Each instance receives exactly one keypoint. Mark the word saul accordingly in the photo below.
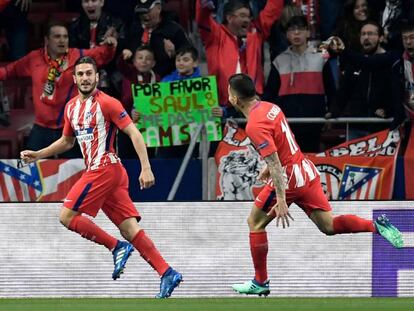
(170, 112)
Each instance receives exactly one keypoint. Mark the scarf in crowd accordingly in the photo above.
(146, 36)
(92, 31)
(147, 77)
(56, 67)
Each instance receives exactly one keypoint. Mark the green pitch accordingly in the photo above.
(209, 304)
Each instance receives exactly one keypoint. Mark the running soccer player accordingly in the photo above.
(92, 117)
(291, 178)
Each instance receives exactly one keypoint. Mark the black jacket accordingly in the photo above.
(380, 82)
(168, 29)
(79, 31)
(363, 90)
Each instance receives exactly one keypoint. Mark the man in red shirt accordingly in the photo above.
(92, 117)
(236, 45)
(51, 70)
(291, 178)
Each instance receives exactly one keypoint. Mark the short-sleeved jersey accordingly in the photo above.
(94, 122)
(269, 132)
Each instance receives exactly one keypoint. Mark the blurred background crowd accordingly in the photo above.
(366, 71)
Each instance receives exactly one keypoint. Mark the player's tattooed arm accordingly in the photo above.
(276, 173)
(280, 210)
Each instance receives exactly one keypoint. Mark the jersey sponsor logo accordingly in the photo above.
(122, 115)
(272, 114)
(84, 135)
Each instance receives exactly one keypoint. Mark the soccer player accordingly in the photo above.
(91, 117)
(291, 178)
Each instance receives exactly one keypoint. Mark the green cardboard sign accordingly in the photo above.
(170, 112)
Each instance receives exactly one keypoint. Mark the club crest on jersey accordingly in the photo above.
(88, 116)
(84, 135)
(122, 115)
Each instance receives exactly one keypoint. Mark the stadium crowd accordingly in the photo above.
(328, 59)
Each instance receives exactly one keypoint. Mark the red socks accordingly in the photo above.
(352, 224)
(259, 249)
(88, 230)
(149, 252)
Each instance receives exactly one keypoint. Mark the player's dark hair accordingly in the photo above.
(188, 49)
(86, 60)
(243, 85)
(54, 23)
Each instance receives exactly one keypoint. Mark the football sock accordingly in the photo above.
(90, 231)
(259, 249)
(149, 252)
(352, 224)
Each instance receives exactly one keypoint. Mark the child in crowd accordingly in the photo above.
(140, 70)
(186, 62)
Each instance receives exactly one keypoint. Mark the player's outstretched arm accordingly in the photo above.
(146, 178)
(64, 143)
(280, 209)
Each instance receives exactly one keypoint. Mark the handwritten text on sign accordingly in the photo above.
(170, 112)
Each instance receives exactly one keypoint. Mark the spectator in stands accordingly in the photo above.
(51, 70)
(236, 45)
(186, 62)
(151, 26)
(278, 41)
(329, 11)
(365, 92)
(391, 17)
(355, 13)
(299, 82)
(13, 18)
(403, 77)
(408, 57)
(139, 71)
(92, 28)
(255, 5)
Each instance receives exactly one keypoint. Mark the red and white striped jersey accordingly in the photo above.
(269, 131)
(94, 122)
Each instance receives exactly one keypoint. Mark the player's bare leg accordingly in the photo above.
(341, 224)
(170, 278)
(82, 225)
(257, 221)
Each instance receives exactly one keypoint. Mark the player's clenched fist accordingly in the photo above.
(146, 179)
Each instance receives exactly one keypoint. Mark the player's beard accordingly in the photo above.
(87, 91)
